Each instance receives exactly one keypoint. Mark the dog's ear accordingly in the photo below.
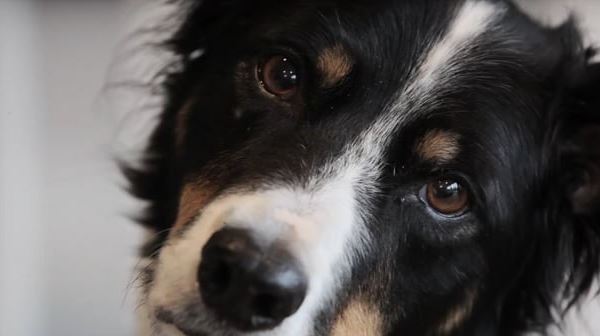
(579, 171)
(155, 179)
(205, 22)
(581, 149)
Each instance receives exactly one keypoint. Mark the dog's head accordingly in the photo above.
(371, 168)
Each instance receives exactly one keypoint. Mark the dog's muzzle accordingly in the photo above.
(262, 263)
(249, 285)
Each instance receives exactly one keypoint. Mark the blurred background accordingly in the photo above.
(67, 245)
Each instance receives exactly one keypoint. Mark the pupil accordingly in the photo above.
(447, 189)
(285, 76)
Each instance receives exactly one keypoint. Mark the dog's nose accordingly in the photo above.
(249, 286)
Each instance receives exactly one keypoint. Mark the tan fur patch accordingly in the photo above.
(193, 198)
(358, 319)
(334, 64)
(438, 145)
(458, 314)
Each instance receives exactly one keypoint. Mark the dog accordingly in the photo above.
(381, 167)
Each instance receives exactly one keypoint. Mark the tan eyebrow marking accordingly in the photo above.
(359, 318)
(439, 145)
(194, 196)
(460, 313)
(335, 64)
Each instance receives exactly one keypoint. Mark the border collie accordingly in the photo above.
(371, 167)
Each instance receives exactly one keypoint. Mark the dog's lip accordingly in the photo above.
(164, 316)
(188, 332)
(167, 317)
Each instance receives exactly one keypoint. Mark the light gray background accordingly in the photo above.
(67, 249)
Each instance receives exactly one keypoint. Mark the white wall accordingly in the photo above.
(67, 249)
(90, 245)
(21, 166)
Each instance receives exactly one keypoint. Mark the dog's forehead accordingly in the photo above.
(405, 60)
(391, 47)
(440, 61)
(380, 32)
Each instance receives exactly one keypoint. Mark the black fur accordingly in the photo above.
(527, 109)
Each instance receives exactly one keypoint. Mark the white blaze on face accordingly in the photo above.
(439, 67)
(322, 225)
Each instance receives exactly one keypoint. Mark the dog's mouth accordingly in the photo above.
(194, 323)
(186, 326)
(190, 332)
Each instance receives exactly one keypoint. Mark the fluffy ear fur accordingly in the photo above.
(210, 17)
(583, 134)
(156, 179)
(564, 259)
(580, 170)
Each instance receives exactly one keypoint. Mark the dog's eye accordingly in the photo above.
(279, 76)
(447, 195)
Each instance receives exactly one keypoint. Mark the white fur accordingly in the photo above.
(472, 20)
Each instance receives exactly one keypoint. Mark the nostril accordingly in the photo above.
(218, 276)
(265, 304)
(224, 259)
(250, 287)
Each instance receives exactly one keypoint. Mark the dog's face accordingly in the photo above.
(361, 168)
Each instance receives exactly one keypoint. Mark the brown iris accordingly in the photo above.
(279, 76)
(447, 196)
